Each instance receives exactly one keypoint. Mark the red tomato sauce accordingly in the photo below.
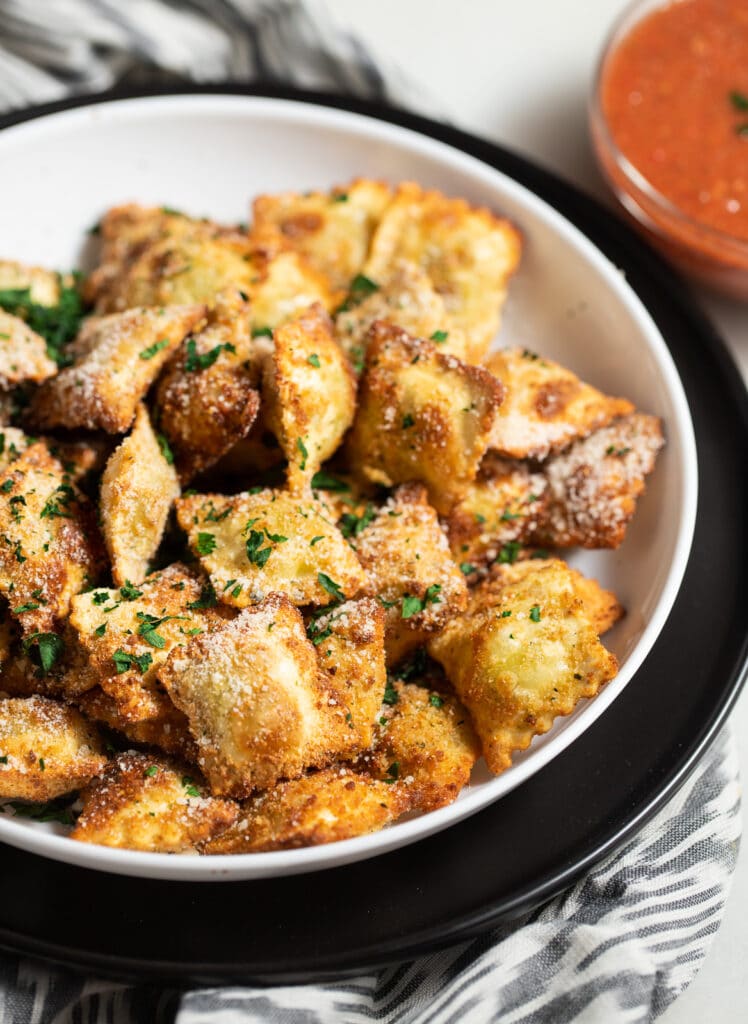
(675, 97)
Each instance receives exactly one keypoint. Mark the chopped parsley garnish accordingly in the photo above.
(391, 695)
(509, 552)
(507, 516)
(341, 197)
(359, 289)
(150, 771)
(313, 360)
(393, 772)
(100, 597)
(408, 421)
(205, 543)
(316, 540)
(216, 517)
(256, 553)
(413, 605)
(467, 568)
(129, 592)
(318, 633)
(325, 482)
(384, 603)
(154, 349)
(535, 613)
(42, 765)
(56, 506)
(505, 614)
(262, 332)
(7, 485)
(304, 453)
(201, 361)
(59, 810)
(189, 786)
(435, 700)
(352, 525)
(148, 626)
(57, 324)
(440, 337)
(100, 630)
(165, 449)
(124, 661)
(739, 100)
(540, 553)
(44, 649)
(30, 607)
(330, 586)
(207, 598)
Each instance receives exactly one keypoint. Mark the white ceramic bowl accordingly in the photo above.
(209, 155)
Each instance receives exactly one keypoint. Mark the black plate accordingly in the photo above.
(533, 842)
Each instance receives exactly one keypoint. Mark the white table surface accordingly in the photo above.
(519, 71)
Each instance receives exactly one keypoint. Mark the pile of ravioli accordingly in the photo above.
(280, 539)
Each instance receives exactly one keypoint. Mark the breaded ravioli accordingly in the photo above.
(128, 632)
(49, 545)
(468, 253)
(145, 802)
(258, 703)
(166, 727)
(593, 488)
(309, 394)
(546, 406)
(421, 416)
(253, 545)
(411, 572)
(331, 230)
(23, 353)
(497, 515)
(115, 360)
(523, 653)
(405, 298)
(425, 742)
(46, 749)
(206, 398)
(138, 488)
(323, 807)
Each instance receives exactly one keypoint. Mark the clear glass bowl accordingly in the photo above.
(713, 257)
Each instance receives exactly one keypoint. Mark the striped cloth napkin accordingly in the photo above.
(623, 942)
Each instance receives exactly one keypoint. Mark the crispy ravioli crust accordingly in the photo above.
(46, 749)
(144, 802)
(524, 652)
(421, 416)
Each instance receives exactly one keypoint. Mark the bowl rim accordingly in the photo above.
(262, 865)
(631, 15)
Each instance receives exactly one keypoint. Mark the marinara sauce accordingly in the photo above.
(673, 94)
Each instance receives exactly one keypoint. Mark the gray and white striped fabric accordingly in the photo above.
(627, 939)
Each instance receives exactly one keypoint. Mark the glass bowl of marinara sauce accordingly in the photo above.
(669, 120)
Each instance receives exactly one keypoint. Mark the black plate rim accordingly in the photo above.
(471, 924)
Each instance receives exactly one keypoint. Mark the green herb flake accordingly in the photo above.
(150, 771)
(100, 630)
(100, 597)
(166, 451)
(189, 786)
(440, 337)
(154, 349)
(435, 700)
(330, 586)
(44, 649)
(322, 481)
(262, 332)
(123, 661)
(205, 543)
(359, 289)
(352, 525)
(201, 361)
(313, 360)
(393, 773)
(30, 607)
(391, 696)
(408, 421)
(304, 453)
(509, 552)
(739, 100)
(467, 568)
(535, 613)
(316, 540)
(56, 324)
(129, 592)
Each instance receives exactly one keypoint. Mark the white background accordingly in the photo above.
(519, 72)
